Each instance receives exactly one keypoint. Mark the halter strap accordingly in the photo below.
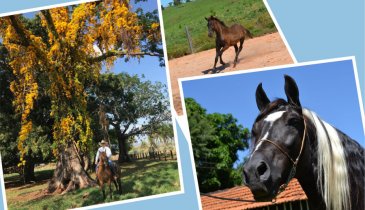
(295, 163)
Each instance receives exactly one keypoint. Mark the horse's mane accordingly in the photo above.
(219, 21)
(333, 181)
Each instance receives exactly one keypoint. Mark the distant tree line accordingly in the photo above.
(176, 3)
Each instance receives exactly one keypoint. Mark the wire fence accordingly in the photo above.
(156, 155)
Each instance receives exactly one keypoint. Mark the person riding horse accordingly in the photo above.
(104, 147)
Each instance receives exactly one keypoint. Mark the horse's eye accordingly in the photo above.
(293, 122)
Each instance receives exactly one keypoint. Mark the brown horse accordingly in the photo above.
(104, 175)
(226, 37)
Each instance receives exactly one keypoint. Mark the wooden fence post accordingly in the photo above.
(172, 155)
(189, 40)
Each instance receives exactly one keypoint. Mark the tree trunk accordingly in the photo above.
(123, 153)
(122, 144)
(86, 162)
(69, 173)
(29, 171)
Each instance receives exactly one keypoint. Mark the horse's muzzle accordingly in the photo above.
(257, 176)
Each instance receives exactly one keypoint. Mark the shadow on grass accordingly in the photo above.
(16, 181)
(94, 197)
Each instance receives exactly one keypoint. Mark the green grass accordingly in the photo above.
(140, 178)
(252, 14)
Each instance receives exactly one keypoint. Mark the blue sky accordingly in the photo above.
(329, 89)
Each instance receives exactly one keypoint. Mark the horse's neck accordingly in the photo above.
(103, 165)
(307, 173)
(219, 30)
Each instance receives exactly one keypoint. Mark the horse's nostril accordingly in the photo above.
(261, 169)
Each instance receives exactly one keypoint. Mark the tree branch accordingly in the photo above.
(117, 53)
(50, 23)
(126, 128)
(20, 31)
(24, 39)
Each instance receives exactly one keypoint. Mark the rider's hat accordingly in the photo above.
(103, 142)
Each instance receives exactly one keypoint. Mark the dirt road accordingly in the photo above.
(268, 50)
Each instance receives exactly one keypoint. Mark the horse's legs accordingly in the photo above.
(102, 189)
(221, 53)
(217, 49)
(116, 184)
(235, 59)
(110, 188)
(239, 50)
(120, 185)
(241, 44)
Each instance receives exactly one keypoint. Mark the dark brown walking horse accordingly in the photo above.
(226, 37)
(104, 175)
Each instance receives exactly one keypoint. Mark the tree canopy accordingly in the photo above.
(215, 138)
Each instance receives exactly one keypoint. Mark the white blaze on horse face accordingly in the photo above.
(274, 116)
(260, 142)
(270, 118)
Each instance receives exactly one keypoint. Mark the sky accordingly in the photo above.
(328, 89)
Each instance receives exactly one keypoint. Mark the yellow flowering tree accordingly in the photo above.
(77, 42)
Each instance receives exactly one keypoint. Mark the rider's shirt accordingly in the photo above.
(103, 149)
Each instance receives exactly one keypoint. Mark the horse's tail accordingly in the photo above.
(248, 33)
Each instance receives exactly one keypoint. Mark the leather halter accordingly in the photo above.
(295, 163)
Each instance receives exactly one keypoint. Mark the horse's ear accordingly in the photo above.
(261, 98)
(291, 91)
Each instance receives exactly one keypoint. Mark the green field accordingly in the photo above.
(252, 14)
(140, 178)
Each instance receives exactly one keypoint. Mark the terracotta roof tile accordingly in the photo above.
(240, 197)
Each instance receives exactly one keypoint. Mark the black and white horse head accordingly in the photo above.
(290, 141)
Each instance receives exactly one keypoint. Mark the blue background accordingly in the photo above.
(314, 30)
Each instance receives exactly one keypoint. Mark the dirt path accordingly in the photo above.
(268, 50)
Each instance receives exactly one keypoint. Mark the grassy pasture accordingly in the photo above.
(139, 178)
(252, 14)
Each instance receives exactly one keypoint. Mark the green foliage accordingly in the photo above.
(9, 123)
(177, 2)
(252, 14)
(37, 146)
(130, 101)
(216, 138)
